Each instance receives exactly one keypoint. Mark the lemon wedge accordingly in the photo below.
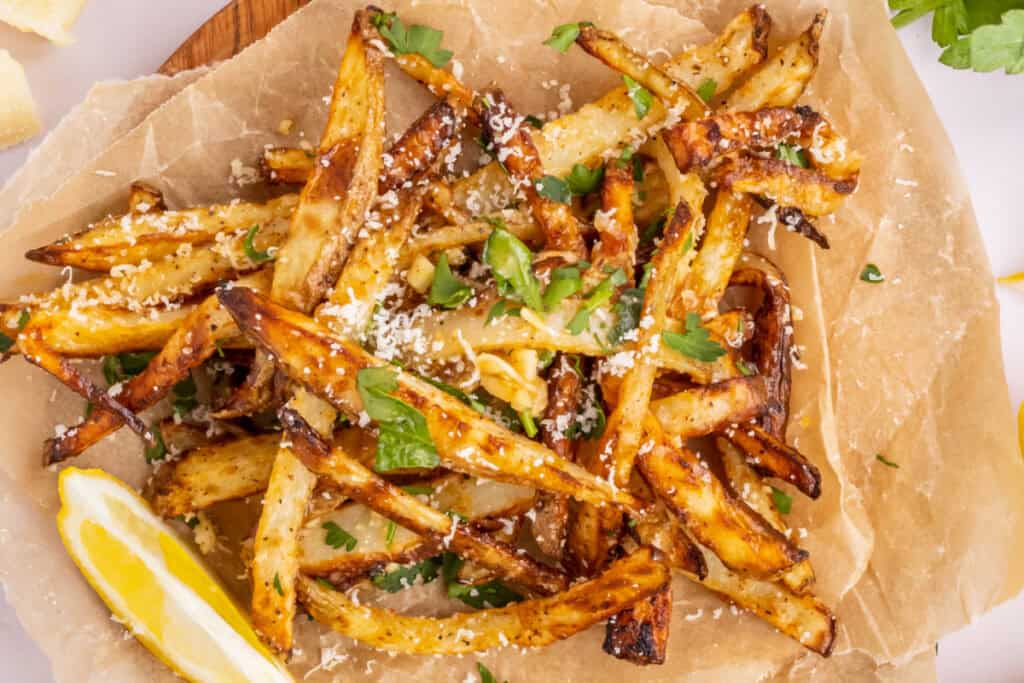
(156, 585)
(1016, 280)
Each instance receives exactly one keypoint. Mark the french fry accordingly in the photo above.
(533, 623)
(194, 342)
(704, 410)
(380, 542)
(213, 474)
(811, 191)
(464, 440)
(407, 510)
(616, 231)
(286, 165)
(771, 457)
(639, 634)
(743, 541)
(143, 198)
(132, 239)
(463, 235)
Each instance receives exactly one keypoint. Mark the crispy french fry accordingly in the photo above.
(380, 542)
(213, 474)
(462, 235)
(464, 440)
(801, 617)
(287, 165)
(746, 483)
(723, 244)
(771, 457)
(811, 191)
(407, 510)
(527, 624)
(132, 239)
(616, 231)
(143, 198)
(704, 410)
(639, 634)
(742, 540)
(509, 133)
(194, 342)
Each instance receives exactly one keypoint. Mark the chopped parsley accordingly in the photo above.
(564, 283)
(6, 343)
(782, 500)
(641, 96)
(885, 461)
(695, 342)
(791, 154)
(470, 400)
(404, 440)
(599, 296)
(277, 585)
(390, 535)
(872, 274)
(184, 392)
(447, 291)
(158, 451)
(590, 420)
(418, 489)
(502, 308)
(405, 576)
(336, 537)
(124, 365)
(555, 189)
(627, 312)
(415, 39)
(583, 179)
(534, 121)
(485, 674)
(563, 36)
(706, 89)
(511, 261)
(250, 250)
(745, 368)
(529, 426)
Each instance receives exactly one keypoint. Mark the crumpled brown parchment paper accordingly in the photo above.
(910, 368)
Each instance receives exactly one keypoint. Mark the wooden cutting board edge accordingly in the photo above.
(236, 26)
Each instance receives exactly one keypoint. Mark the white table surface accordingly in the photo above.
(984, 115)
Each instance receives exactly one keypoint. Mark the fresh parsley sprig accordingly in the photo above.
(415, 39)
(447, 291)
(599, 296)
(641, 96)
(695, 342)
(404, 440)
(511, 261)
(983, 35)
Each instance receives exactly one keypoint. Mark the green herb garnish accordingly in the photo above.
(406, 576)
(706, 89)
(529, 426)
(695, 342)
(250, 250)
(555, 189)
(404, 440)
(415, 39)
(565, 35)
(511, 261)
(983, 35)
(158, 451)
(564, 283)
(885, 461)
(627, 312)
(277, 585)
(783, 501)
(641, 96)
(583, 179)
(336, 537)
(599, 296)
(872, 274)
(792, 155)
(447, 291)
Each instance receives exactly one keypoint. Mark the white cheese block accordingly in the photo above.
(18, 120)
(51, 19)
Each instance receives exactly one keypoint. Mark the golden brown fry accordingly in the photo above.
(462, 235)
(747, 484)
(741, 539)
(441, 83)
(286, 165)
(659, 529)
(613, 51)
(698, 143)
(380, 542)
(465, 441)
(533, 623)
(704, 410)
(212, 474)
(639, 634)
(616, 231)
(811, 191)
(773, 342)
(132, 239)
(723, 244)
(801, 617)
(36, 352)
(194, 342)
(783, 78)
(509, 133)
(336, 197)
(771, 457)
(407, 510)
(143, 198)
(552, 510)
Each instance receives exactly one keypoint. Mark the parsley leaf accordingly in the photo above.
(418, 489)
(565, 35)
(158, 451)
(184, 396)
(583, 179)
(599, 296)
(406, 576)
(485, 674)
(404, 440)
(590, 420)
(529, 426)
(415, 39)
(392, 528)
(641, 96)
(500, 309)
(706, 89)
(745, 368)
(627, 314)
(783, 501)
(653, 231)
(336, 537)
(885, 461)
(534, 121)
(991, 47)
(792, 155)
(564, 283)
(277, 584)
(872, 274)
(695, 342)
(483, 595)
(250, 250)
(555, 189)
(469, 400)
(7, 342)
(447, 291)
(511, 261)
(983, 35)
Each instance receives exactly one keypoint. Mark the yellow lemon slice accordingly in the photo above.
(156, 585)
(1016, 280)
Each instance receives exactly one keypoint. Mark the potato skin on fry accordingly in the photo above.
(532, 623)
(640, 633)
(772, 457)
(811, 191)
(704, 410)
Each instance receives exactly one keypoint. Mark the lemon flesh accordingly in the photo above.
(156, 585)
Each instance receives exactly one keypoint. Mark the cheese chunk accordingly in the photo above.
(18, 120)
(51, 19)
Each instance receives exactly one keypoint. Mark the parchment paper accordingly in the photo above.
(910, 368)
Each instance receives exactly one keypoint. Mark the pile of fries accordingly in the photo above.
(550, 383)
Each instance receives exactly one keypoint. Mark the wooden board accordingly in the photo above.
(239, 24)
